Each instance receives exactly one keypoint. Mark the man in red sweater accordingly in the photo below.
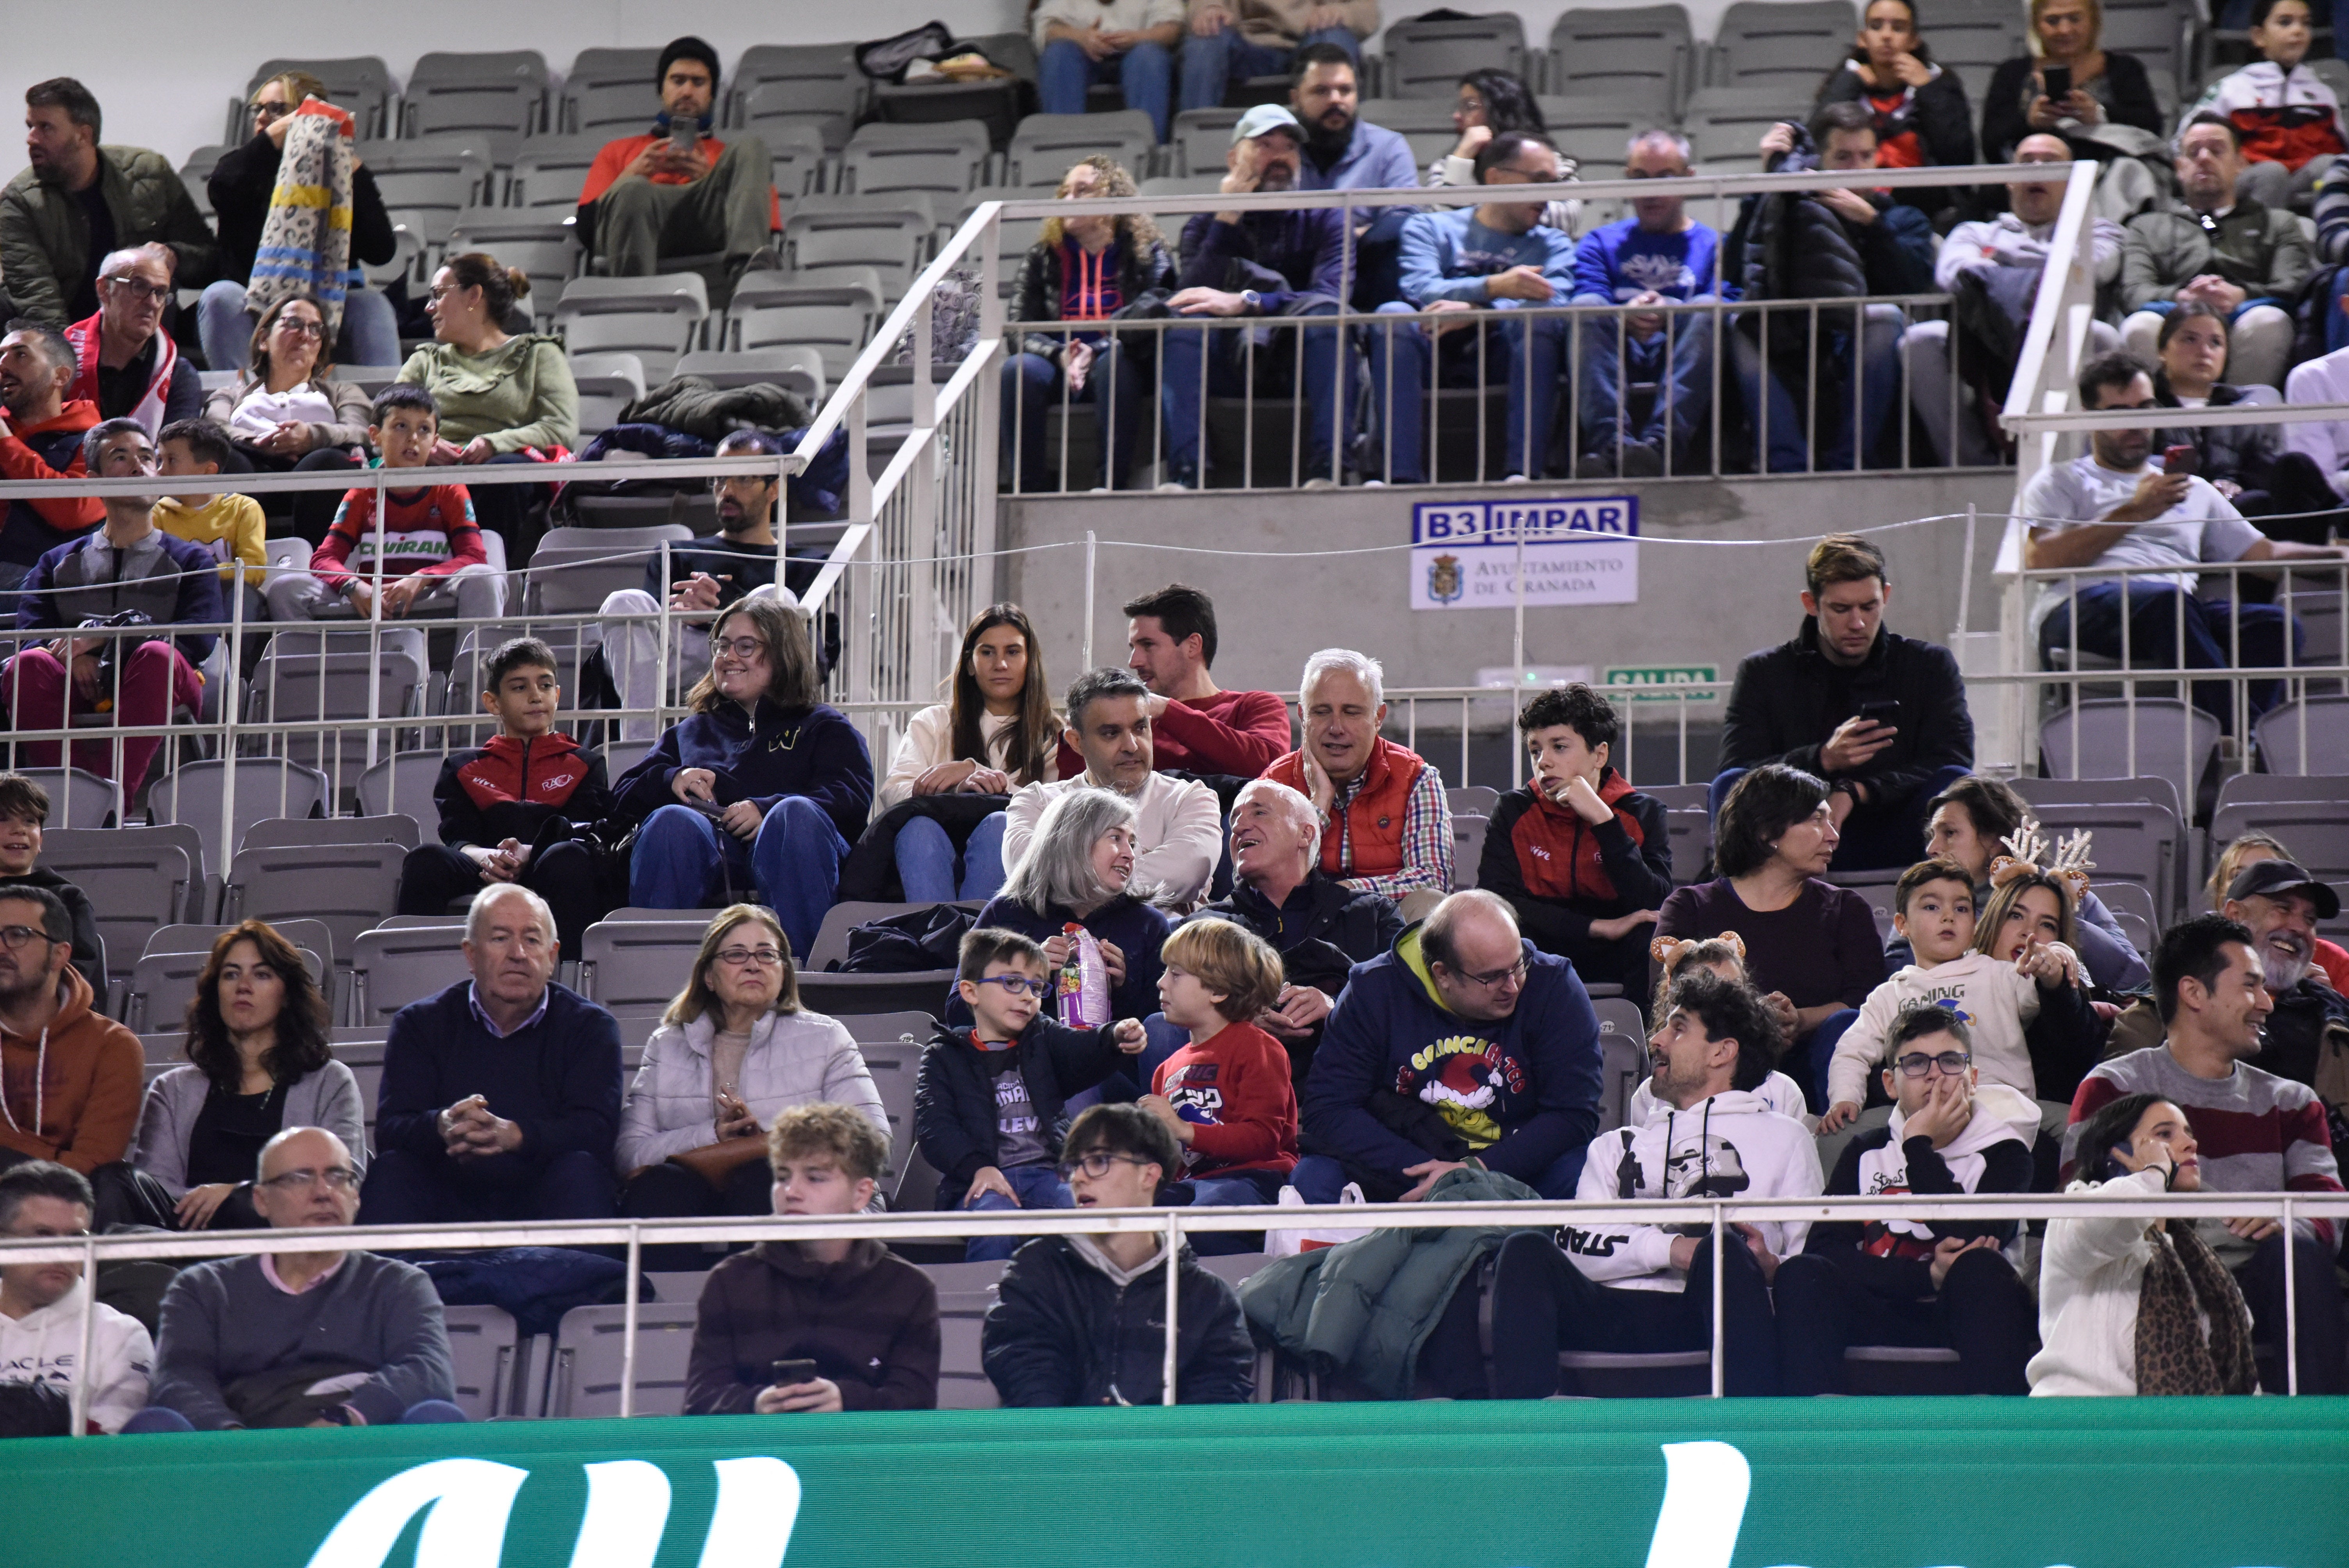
(40, 438)
(1195, 725)
(1226, 1095)
(675, 190)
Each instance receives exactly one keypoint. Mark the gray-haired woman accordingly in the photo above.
(1079, 872)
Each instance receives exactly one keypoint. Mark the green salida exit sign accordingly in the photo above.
(1663, 675)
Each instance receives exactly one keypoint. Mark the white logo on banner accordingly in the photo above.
(627, 1514)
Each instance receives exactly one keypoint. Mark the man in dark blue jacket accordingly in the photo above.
(1464, 1041)
(501, 1095)
(1258, 264)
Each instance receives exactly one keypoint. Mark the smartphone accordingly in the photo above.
(1884, 710)
(790, 1372)
(683, 134)
(2058, 80)
(2180, 459)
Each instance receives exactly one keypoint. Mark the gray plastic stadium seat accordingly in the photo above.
(1467, 847)
(1724, 125)
(1046, 145)
(391, 969)
(2113, 738)
(1784, 45)
(1201, 138)
(136, 879)
(634, 969)
(845, 995)
(2135, 841)
(827, 236)
(2097, 791)
(2126, 899)
(550, 171)
(281, 832)
(966, 1291)
(162, 984)
(310, 935)
(588, 1359)
(433, 180)
(1015, 236)
(1425, 57)
(1478, 798)
(502, 91)
(1690, 832)
(1638, 53)
(655, 318)
(192, 793)
(197, 171)
(362, 84)
(1657, 1375)
(539, 243)
(348, 886)
(2160, 34)
(798, 368)
(483, 1350)
(576, 568)
(611, 92)
(831, 945)
(1623, 1049)
(831, 311)
(1595, 132)
(2242, 788)
(1678, 797)
(893, 1069)
(1425, 122)
(1973, 37)
(1902, 1369)
(943, 159)
(312, 688)
(780, 113)
(78, 798)
(607, 383)
(2308, 735)
(2318, 832)
(816, 83)
(402, 783)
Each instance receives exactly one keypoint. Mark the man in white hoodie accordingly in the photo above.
(41, 1303)
(1909, 1282)
(1649, 1288)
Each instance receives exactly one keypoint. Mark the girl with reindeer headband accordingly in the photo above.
(2005, 968)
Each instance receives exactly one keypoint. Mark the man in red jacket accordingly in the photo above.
(1196, 726)
(676, 190)
(40, 438)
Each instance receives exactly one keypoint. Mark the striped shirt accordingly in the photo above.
(1426, 838)
(2257, 1132)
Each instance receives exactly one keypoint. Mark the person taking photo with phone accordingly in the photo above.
(1881, 717)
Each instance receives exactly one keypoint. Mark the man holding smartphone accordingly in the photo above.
(1881, 717)
(676, 190)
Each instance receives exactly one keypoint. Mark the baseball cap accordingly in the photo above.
(1263, 117)
(2284, 876)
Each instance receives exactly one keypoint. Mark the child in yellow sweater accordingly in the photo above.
(229, 526)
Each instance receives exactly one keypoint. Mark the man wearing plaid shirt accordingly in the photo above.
(1386, 824)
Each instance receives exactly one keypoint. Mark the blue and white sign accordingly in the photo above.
(1583, 550)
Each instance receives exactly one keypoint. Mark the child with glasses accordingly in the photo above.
(990, 1100)
(1909, 1282)
(1225, 1096)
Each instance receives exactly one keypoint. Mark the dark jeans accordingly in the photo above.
(126, 1196)
(1527, 353)
(163, 1418)
(2323, 1358)
(667, 1191)
(1114, 385)
(2298, 504)
(1542, 1304)
(2154, 613)
(562, 874)
(1677, 360)
(1280, 368)
(1879, 835)
(1983, 1312)
(1319, 1179)
(407, 1189)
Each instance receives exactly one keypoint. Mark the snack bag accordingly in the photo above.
(1084, 981)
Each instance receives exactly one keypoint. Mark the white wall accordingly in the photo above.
(169, 68)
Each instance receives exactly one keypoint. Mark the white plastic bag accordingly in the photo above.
(1306, 1238)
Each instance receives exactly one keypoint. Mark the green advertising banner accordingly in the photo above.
(1843, 1483)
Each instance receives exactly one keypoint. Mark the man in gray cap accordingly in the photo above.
(1258, 263)
(2280, 903)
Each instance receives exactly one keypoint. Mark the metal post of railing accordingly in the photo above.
(1092, 553)
(661, 644)
(2291, 1303)
(82, 1379)
(1720, 1378)
(1173, 1246)
(628, 1328)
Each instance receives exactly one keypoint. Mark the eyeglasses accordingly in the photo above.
(272, 110)
(14, 937)
(1951, 1064)
(741, 647)
(443, 291)
(737, 957)
(337, 1177)
(1016, 986)
(1097, 1164)
(134, 289)
(301, 328)
(1498, 976)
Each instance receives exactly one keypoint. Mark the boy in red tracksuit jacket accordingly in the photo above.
(1581, 856)
(1226, 1095)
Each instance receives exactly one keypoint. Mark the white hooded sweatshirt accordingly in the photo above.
(1996, 999)
(2001, 1114)
(1729, 1145)
(42, 1345)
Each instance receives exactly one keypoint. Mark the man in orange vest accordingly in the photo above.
(1386, 826)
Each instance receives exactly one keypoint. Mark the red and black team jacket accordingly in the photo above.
(508, 788)
(1560, 873)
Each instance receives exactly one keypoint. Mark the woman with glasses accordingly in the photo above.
(504, 392)
(256, 1046)
(760, 785)
(734, 1048)
(284, 412)
(1079, 872)
(241, 186)
(1811, 947)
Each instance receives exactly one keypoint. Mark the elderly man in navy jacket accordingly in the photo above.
(1462, 1041)
(501, 1095)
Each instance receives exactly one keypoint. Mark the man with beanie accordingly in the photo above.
(675, 191)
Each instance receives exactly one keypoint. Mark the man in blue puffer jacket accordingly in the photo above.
(1464, 1040)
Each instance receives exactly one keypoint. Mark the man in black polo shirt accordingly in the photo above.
(1881, 717)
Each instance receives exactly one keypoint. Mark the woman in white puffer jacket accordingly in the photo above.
(733, 1049)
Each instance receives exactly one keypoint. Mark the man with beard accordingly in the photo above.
(2279, 904)
(1261, 38)
(41, 429)
(1343, 152)
(2259, 1133)
(1258, 264)
(70, 1078)
(704, 575)
(2115, 507)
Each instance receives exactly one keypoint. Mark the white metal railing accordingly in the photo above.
(2288, 1209)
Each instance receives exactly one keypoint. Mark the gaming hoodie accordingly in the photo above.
(1730, 1145)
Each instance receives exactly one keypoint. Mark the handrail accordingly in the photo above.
(2150, 418)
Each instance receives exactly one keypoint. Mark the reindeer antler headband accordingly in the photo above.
(2070, 866)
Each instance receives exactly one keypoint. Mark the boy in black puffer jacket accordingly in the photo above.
(1082, 1320)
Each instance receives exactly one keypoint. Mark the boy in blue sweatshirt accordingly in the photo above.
(1496, 256)
(1657, 255)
